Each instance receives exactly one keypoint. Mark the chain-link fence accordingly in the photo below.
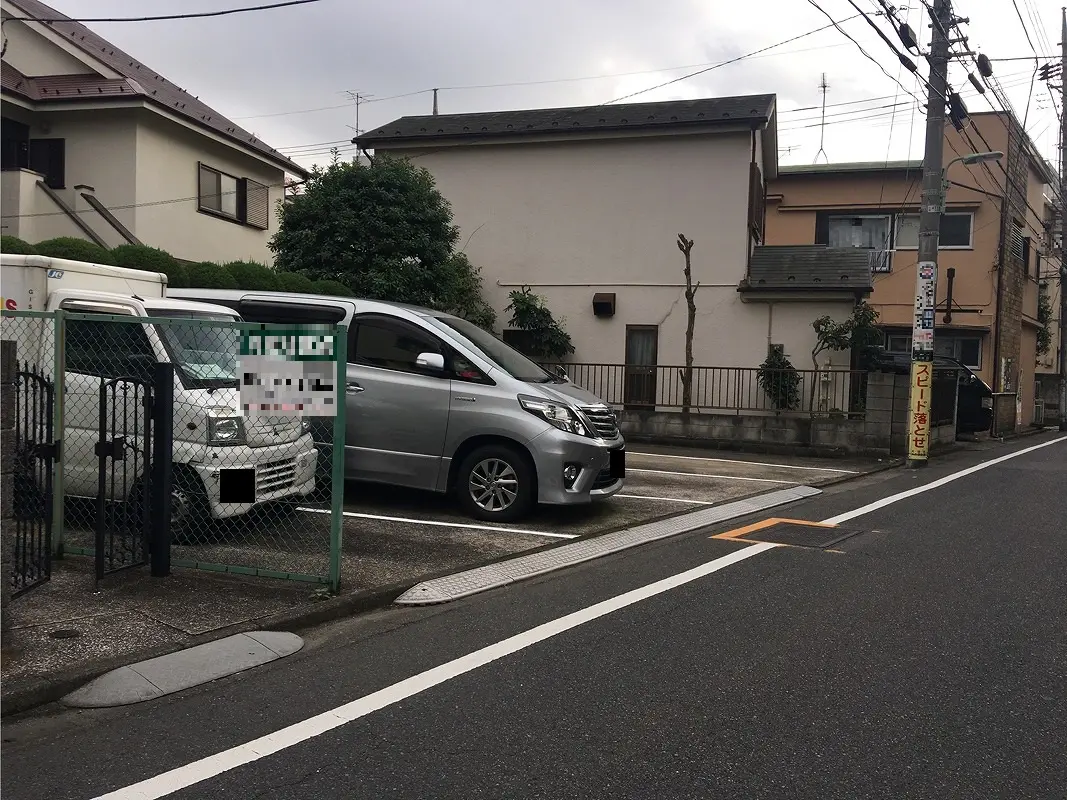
(252, 416)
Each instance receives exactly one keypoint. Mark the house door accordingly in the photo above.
(642, 345)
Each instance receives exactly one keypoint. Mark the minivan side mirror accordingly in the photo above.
(430, 361)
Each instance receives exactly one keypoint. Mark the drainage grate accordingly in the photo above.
(797, 535)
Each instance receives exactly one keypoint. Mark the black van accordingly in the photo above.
(974, 409)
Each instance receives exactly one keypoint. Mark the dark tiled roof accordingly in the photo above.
(809, 268)
(670, 114)
(138, 81)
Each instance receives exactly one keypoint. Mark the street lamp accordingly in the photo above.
(920, 388)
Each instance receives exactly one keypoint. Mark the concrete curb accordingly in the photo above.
(42, 691)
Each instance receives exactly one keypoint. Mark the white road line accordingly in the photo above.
(193, 773)
(739, 461)
(705, 475)
(666, 499)
(955, 476)
(412, 521)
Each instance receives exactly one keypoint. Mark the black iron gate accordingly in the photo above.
(35, 453)
(124, 496)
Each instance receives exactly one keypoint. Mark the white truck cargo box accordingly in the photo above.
(27, 281)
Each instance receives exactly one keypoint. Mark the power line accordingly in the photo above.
(196, 15)
(706, 66)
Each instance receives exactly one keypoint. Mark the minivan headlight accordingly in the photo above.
(559, 415)
(224, 427)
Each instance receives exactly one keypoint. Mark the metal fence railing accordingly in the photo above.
(735, 390)
(252, 416)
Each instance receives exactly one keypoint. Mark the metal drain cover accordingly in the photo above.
(791, 533)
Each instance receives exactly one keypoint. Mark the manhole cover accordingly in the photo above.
(801, 535)
(65, 633)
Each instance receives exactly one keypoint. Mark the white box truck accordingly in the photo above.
(212, 439)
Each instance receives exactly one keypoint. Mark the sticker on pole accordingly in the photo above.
(920, 396)
(289, 372)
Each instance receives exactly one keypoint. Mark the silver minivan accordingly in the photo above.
(435, 402)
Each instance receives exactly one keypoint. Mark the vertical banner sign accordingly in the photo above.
(288, 372)
(921, 393)
(922, 336)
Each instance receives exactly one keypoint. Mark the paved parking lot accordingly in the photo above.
(396, 536)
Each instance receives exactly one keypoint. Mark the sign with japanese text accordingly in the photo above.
(920, 397)
(922, 340)
(288, 372)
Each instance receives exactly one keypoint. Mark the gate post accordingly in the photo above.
(8, 369)
(162, 455)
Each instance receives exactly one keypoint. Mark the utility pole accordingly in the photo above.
(920, 388)
(1063, 224)
(359, 99)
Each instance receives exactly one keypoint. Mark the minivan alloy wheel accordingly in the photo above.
(493, 484)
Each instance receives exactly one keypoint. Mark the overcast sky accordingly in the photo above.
(283, 74)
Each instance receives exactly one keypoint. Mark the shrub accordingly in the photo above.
(16, 246)
(250, 275)
(780, 380)
(205, 275)
(151, 259)
(76, 250)
(335, 288)
(295, 282)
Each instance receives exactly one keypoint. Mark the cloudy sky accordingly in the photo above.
(287, 74)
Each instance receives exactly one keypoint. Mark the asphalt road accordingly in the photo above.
(925, 656)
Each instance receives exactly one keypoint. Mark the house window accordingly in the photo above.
(851, 231)
(242, 200)
(956, 227)
(965, 349)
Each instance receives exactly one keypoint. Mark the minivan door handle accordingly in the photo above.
(353, 388)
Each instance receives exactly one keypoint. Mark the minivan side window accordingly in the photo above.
(109, 349)
(390, 344)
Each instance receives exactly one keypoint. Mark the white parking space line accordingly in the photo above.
(211, 766)
(704, 475)
(737, 461)
(666, 499)
(437, 523)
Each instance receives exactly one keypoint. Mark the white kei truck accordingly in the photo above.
(210, 434)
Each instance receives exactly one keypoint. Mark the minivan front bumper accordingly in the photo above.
(554, 451)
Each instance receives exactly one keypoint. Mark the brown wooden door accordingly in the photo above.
(642, 351)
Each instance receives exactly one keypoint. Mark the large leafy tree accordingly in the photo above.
(385, 231)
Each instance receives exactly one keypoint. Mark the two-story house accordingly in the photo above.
(584, 206)
(100, 146)
(993, 248)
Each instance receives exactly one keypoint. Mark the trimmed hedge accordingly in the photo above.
(152, 259)
(16, 246)
(206, 275)
(335, 288)
(253, 276)
(295, 282)
(76, 250)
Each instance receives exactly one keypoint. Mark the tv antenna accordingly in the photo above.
(823, 87)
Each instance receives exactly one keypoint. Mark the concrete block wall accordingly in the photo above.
(8, 370)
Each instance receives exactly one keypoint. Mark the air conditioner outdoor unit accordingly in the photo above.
(1039, 412)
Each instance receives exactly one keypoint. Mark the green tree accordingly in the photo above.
(858, 333)
(780, 380)
(385, 231)
(1044, 319)
(544, 336)
(16, 246)
(76, 250)
(151, 259)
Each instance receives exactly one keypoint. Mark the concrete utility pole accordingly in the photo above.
(1063, 224)
(920, 390)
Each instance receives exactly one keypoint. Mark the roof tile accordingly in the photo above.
(809, 268)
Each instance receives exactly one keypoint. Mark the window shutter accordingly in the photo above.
(257, 204)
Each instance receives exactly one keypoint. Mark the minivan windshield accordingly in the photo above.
(206, 355)
(503, 355)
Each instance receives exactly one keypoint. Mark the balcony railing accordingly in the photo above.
(880, 260)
